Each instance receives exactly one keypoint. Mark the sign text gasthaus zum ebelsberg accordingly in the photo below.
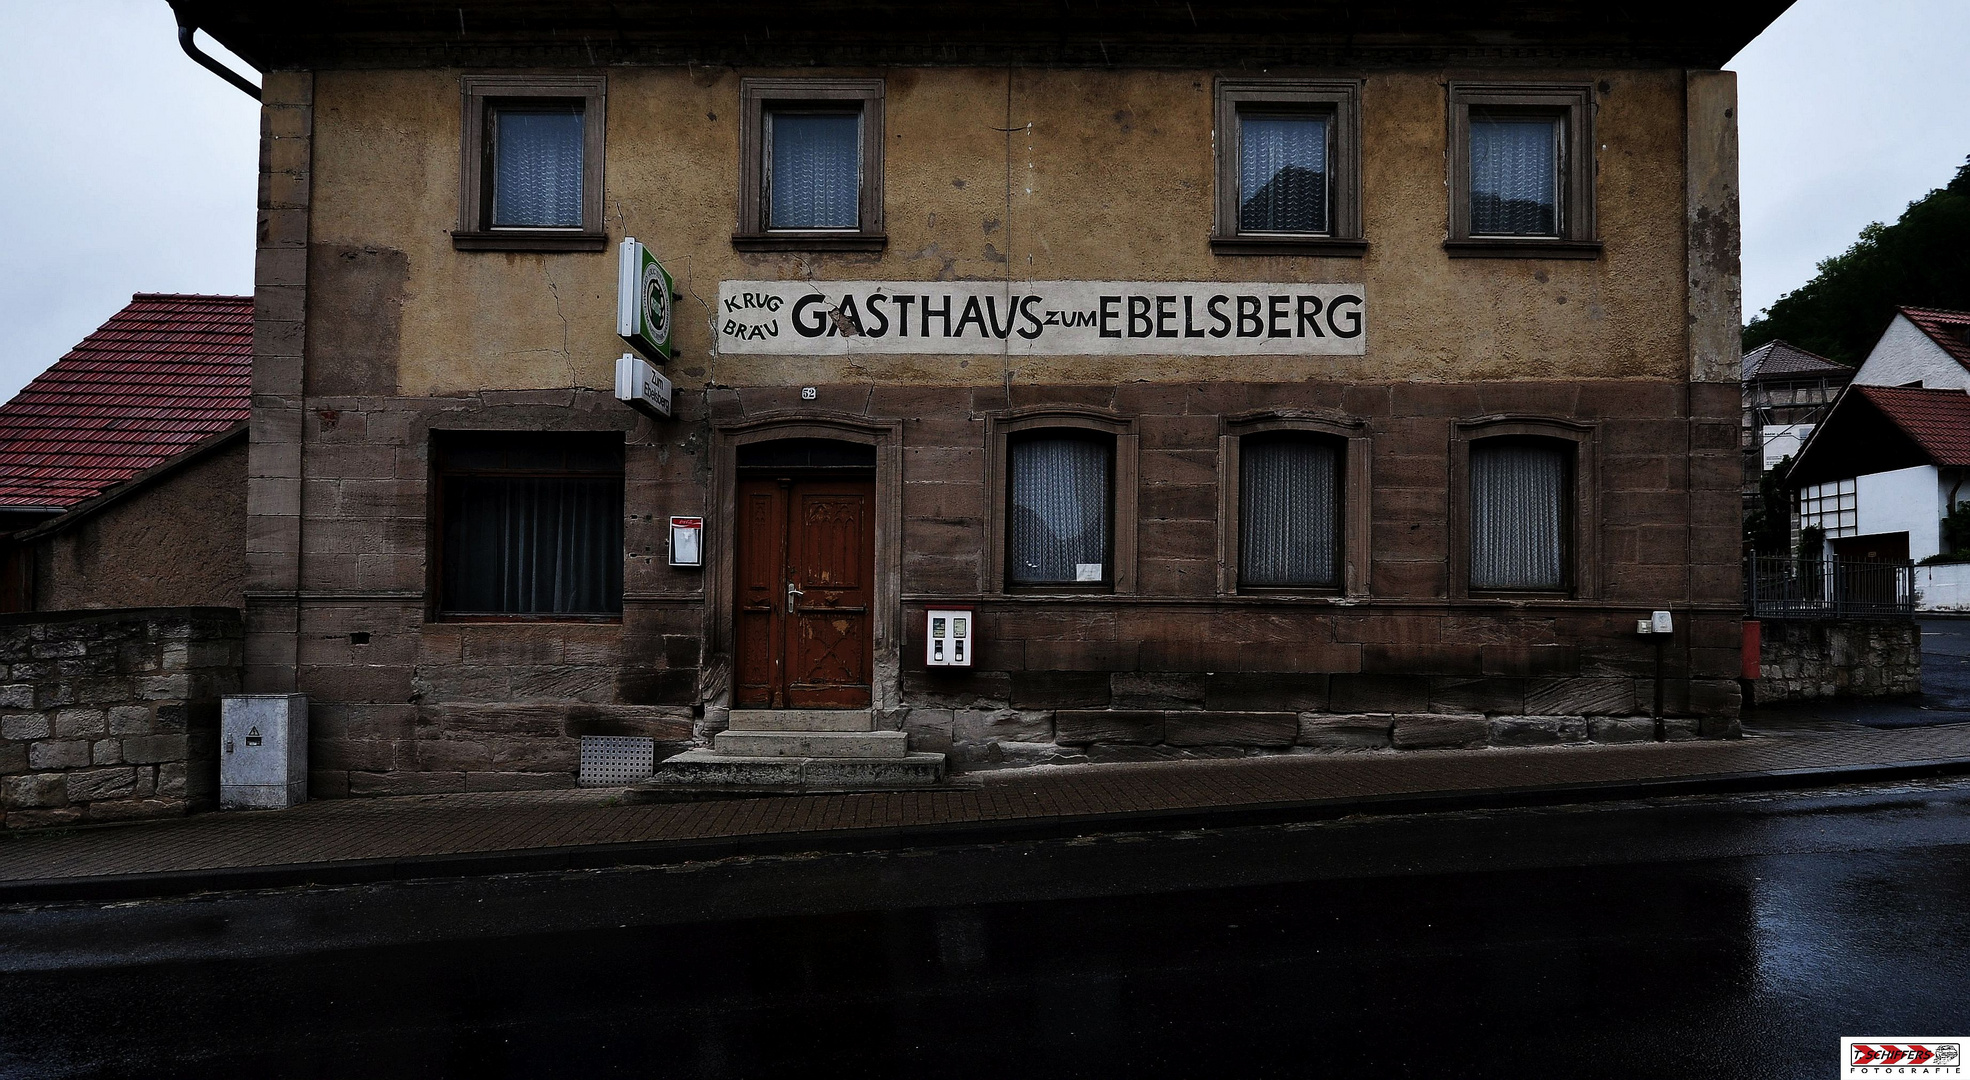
(1042, 318)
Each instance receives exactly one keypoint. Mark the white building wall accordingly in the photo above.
(1943, 587)
(1905, 355)
(1784, 439)
(1903, 500)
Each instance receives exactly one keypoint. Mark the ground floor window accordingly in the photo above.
(529, 524)
(1521, 513)
(1059, 529)
(1289, 502)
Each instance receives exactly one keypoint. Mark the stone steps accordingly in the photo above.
(801, 720)
(709, 770)
(881, 745)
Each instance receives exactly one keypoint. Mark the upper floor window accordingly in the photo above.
(1289, 501)
(536, 165)
(1288, 170)
(531, 166)
(1516, 172)
(1282, 173)
(811, 161)
(1522, 179)
(813, 169)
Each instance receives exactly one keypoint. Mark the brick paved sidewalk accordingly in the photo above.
(432, 835)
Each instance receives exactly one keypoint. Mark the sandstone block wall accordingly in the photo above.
(109, 716)
(179, 542)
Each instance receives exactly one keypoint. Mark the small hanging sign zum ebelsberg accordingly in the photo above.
(1042, 318)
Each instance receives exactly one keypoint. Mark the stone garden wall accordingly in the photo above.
(1827, 658)
(112, 715)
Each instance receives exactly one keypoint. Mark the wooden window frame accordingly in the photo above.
(435, 610)
(757, 97)
(1340, 99)
(1574, 102)
(480, 95)
(1354, 497)
(1582, 559)
(1123, 519)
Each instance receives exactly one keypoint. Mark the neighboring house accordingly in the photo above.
(1786, 389)
(123, 466)
(1251, 376)
(1922, 347)
(1882, 471)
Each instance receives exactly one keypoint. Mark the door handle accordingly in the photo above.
(791, 594)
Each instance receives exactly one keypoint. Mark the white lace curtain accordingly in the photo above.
(816, 171)
(1518, 515)
(1282, 174)
(1515, 163)
(1059, 522)
(537, 168)
(1290, 512)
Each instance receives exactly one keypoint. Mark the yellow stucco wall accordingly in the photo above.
(1033, 174)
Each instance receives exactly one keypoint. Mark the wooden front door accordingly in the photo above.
(806, 588)
(1880, 547)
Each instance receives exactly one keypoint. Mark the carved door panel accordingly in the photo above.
(806, 563)
(760, 593)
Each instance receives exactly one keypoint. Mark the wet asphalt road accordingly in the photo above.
(1694, 937)
(1946, 663)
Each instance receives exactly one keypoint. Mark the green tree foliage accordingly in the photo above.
(1923, 260)
(1768, 525)
(1956, 531)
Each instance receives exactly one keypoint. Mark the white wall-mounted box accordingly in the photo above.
(687, 541)
(950, 638)
(642, 387)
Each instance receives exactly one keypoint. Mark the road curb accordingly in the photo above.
(173, 883)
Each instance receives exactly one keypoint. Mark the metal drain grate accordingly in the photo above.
(607, 760)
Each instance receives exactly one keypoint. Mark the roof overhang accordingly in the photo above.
(1855, 439)
(1158, 33)
(143, 481)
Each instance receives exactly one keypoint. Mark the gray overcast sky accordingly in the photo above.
(125, 167)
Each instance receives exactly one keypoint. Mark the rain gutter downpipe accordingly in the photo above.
(185, 32)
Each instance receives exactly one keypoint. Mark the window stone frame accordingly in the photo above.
(1355, 498)
(759, 95)
(1341, 100)
(1574, 102)
(479, 95)
(1583, 563)
(1124, 520)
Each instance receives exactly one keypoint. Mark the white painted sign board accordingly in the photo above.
(1042, 318)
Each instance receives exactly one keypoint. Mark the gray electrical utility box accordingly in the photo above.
(263, 751)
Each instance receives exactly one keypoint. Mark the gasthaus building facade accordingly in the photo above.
(1016, 383)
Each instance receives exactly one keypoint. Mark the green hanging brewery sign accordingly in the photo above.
(643, 301)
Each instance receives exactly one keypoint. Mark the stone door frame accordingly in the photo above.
(721, 562)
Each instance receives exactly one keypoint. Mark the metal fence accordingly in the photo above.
(1782, 587)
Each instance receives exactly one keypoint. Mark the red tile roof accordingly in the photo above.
(1938, 420)
(1950, 329)
(1779, 359)
(159, 377)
